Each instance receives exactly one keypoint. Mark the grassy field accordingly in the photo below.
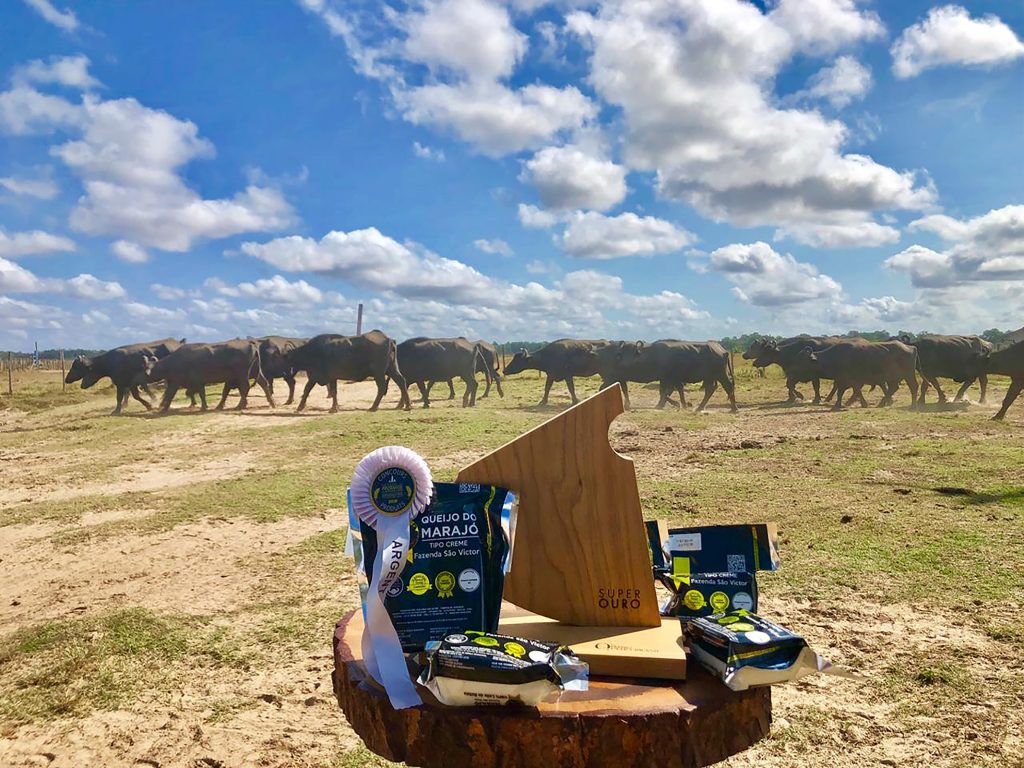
(168, 584)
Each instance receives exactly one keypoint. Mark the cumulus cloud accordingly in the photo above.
(42, 189)
(64, 20)
(844, 81)
(128, 158)
(595, 236)
(69, 71)
(949, 35)
(33, 243)
(428, 153)
(87, 286)
(762, 277)
(129, 252)
(569, 177)
(985, 248)
(274, 290)
(469, 49)
(532, 217)
(694, 80)
(167, 292)
(495, 246)
(14, 278)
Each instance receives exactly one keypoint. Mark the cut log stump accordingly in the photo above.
(618, 723)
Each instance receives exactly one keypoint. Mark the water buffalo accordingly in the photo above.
(487, 365)
(424, 360)
(1009, 362)
(329, 357)
(194, 366)
(274, 361)
(561, 361)
(961, 358)
(670, 362)
(126, 367)
(854, 364)
(786, 355)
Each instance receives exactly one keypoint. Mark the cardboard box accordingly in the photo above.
(655, 652)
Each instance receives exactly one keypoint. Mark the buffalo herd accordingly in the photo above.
(850, 363)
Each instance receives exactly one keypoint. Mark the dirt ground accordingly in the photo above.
(168, 584)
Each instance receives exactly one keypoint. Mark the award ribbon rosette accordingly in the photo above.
(390, 487)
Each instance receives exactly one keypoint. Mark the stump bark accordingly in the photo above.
(618, 723)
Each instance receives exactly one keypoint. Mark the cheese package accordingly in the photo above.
(454, 573)
(483, 669)
(702, 594)
(714, 548)
(745, 650)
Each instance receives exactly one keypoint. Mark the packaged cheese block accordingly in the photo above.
(455, 570)
(480, 668)
(702, 594)
(715, 548)
(745, 650)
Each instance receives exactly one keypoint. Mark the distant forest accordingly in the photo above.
(731, 343)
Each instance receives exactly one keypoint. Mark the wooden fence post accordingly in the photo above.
(63, 384)
(10, 385)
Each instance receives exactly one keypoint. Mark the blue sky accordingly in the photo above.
(673, 168)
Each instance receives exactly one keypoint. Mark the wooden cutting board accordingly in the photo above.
(580, 551)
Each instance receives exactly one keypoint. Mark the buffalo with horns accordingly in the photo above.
(126, 367)
(194, 366)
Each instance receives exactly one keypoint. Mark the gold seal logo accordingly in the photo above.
(419, 584)
(445, 582)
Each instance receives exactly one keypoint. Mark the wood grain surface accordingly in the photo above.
(619, 722)
(580, 552)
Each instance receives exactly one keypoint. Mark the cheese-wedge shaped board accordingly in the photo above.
(580, 551)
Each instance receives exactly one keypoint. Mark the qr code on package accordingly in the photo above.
(736, 563)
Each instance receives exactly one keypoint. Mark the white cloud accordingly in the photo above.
(495, 246)
(95, 317)
(595, 236)
(428, 153)
(24, 110)
(167, 292)
(275, 290)
(532, 217)
(854, 234)
(841, 83)
(129, 252)
(86, 286)
(70, 71)
(494, 119)
(762, 277)
(472, 38)
(985, 248)
(695, 82)
(149, 313)
(14, 278)
(43, 189)
(33, 243)
(950, 36)
(569, 177)
(65, 20)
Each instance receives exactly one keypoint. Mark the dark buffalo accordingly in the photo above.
(126, 367)
(670, 362)
(193, 367)
(424, 360)
(487, 365)
(787, 355)
(854, 364)
(274, 361)
(329, 358)
(560, 360)
(1009, 362)
(961, 358)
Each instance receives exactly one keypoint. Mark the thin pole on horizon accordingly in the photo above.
(63, 384)
(359, 320)
(10, 381)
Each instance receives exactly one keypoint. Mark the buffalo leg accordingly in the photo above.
(983, 381)
(382, 389)
(840, 391)
(912, 386)
(169, 393)
(934, 381)
(121, 395)
(134, 389)
(963, 390)
(202, 396)
(264, 385)
(730, 390)
(547, 390)
(570, 384)
(794, 395)
(305, 395)
(224, 396)
(816, 383)
(832, 392)
(709, 389)
(469, 396)
(332, 390)
(424, 394)
(243, 393)
(664, 394)
(290, 381)
(923, 391)
(487, 387)
(1016, 385)
(497, 384)
(451, 389)
(682, 395)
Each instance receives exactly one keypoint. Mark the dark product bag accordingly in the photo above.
(454, 574)
(702, 594)
(715, 548)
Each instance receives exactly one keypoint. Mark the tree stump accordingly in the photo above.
(618, 723)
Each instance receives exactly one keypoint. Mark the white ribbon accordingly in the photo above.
(382, 650)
